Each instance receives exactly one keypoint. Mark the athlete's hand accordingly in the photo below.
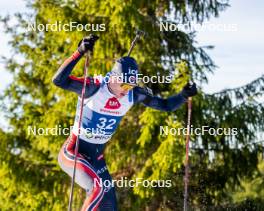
(189, 90)
(87, 44)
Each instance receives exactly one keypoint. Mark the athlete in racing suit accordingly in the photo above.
(105, 103)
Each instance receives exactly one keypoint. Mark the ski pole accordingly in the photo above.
(87, 60)
(186, 174)
(139, 33)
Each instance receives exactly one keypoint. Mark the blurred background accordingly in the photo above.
(226, 171)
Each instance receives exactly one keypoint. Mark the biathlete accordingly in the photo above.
(106, 101)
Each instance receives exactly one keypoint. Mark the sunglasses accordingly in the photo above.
(127, 87)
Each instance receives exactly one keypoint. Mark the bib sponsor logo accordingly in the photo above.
(112, 103)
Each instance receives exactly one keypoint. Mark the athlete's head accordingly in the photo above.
(123, 76)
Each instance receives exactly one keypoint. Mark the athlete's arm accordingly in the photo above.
(169, 104)
(64, 80)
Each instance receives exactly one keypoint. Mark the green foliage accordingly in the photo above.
(30, 176)
(251, 189)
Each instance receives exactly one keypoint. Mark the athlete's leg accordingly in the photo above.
(108, 203)
(85, 173)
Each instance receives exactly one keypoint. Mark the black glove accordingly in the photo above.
(87, 44)
(189, 90)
